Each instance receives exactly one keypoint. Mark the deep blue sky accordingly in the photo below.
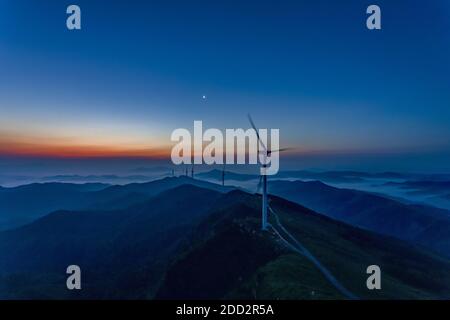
(137, 70)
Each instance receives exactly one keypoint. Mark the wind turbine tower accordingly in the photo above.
(223, 175)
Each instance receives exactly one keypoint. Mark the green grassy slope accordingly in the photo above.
(258, 265)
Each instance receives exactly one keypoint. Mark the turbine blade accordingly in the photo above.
(257, 132)
(279, 150)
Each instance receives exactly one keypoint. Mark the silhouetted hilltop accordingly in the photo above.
(23, 204)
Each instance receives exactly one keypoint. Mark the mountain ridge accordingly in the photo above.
(369, 211)
(43, 198)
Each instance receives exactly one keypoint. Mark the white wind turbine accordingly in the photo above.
(263, 179)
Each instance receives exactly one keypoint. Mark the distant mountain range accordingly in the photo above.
(109, 179)
(217, 175)
(327, 176)
(423, 187)
(422, 224)
(21, 205)
(419, 223)
(153, 169)
(301, 174)
(193, 242)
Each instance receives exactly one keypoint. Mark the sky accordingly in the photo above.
(343, 96)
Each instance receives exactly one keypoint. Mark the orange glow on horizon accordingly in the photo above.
(52, 150)
(81, 145)
(84, 152)
(20, 145)
(71, 150)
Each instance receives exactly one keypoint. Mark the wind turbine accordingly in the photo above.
(263, 179)
(223, 175)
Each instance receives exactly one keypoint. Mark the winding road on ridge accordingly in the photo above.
(299, 248)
